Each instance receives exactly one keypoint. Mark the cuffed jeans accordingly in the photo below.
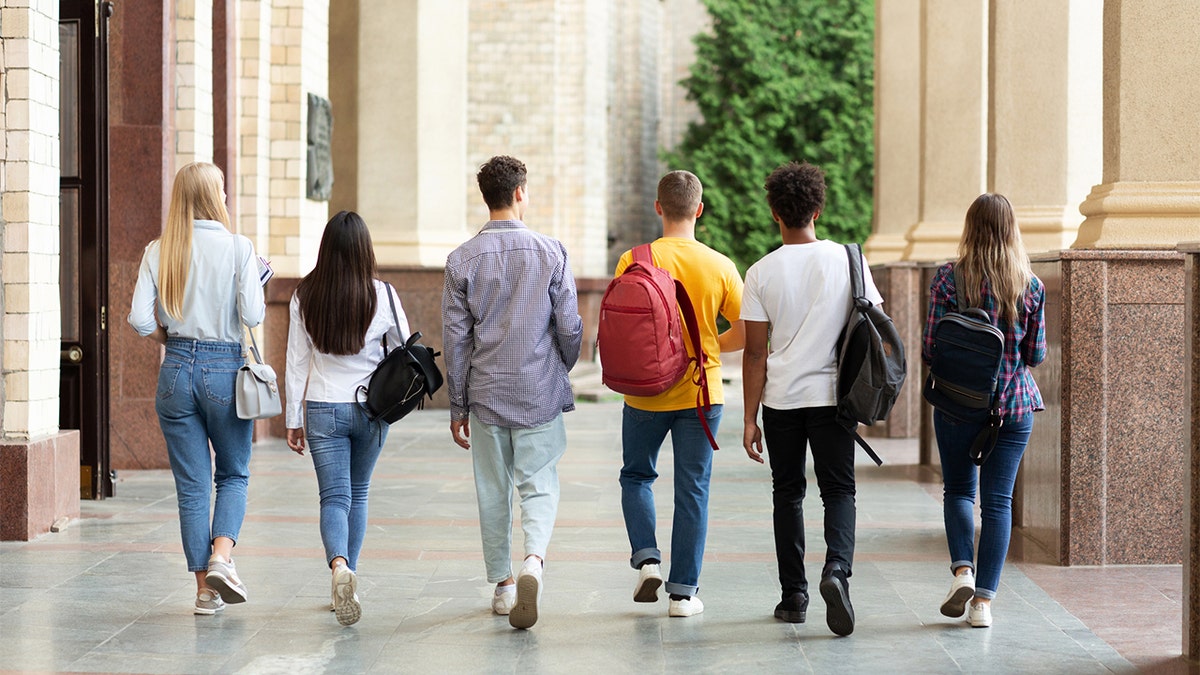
(995, 478)
(787, 434)
(344, 445)
(195, 406)
(642, 435)
(527, 458)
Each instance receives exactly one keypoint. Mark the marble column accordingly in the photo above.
(897, 128)
(953, 124)
(410, 175)
(1045, 114)
(1150, 197)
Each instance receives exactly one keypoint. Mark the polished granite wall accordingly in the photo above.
(39, 484)
(1102, 480)
(1191, 492)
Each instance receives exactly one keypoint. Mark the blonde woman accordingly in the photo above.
(997, 278)
(197, 287)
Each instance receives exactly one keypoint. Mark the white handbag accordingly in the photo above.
(257, 388)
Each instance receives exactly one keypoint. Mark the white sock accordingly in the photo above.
(501, 590)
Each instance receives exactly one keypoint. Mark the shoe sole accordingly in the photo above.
(647, 591)
(346, 605)
(525, 613)
(682, 614)
(956, 605)
(201, 611)
(839, 614)
(231, 594)
(791, 616)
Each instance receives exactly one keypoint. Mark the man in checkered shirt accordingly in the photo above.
(512, 332)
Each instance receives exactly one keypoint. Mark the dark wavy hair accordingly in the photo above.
(498, 178)
(337, 298)
(795, 192)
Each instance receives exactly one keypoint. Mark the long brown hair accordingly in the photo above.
(991, 249)
(197, 194)
(337, 298)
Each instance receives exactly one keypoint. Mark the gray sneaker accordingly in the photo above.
(223, 578)
(345, 596)
(208, 602)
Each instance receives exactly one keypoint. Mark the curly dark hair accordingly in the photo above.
(498, 178)
(795, 192)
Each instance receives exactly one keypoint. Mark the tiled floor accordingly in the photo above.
(111, 594)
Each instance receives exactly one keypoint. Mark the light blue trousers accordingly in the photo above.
(524, 458)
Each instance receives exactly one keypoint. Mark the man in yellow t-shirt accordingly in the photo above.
(714, 287)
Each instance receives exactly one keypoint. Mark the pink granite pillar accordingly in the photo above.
(1191, 478)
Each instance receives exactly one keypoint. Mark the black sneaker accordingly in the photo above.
(793, 608)
(839, 614)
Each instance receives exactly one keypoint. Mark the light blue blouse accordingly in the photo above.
(222, 294)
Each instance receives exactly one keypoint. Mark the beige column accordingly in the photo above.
(953, 124)
(411, 123)
(29, 272)
(254, 122)
(299, 66)
(897, 128)
(193, 81)
(1150, 197)
(1046, 113)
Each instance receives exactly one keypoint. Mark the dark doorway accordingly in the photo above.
(83, 282)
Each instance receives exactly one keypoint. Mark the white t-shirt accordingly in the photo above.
(803, 292)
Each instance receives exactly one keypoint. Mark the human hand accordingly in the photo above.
(460, 430)
(295, 440)
(752, 441)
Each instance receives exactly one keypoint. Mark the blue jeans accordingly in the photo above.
(527, 459)
(995, 478)
(642, 435)
(195, 407)
(344, 445)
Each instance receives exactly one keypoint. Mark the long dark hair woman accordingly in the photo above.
(340, 315)
(997, 278)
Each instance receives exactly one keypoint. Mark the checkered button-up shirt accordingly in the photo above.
(512, 329)
(1024, 340)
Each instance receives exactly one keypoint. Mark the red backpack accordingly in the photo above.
(642, 352)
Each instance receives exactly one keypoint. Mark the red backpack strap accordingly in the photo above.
(703, 403)
(642, 254)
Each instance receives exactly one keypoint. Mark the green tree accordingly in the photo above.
(781, 80)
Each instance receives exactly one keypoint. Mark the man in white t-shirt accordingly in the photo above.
(795, 304)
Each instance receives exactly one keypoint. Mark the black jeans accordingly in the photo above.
(787, 433)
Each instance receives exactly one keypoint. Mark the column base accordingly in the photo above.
(1140, 215)
(41, 484)
(929, 241)
(881, 249)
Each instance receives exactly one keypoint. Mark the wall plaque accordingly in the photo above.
(320, 154)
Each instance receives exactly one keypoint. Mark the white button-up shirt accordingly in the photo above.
(222, 294)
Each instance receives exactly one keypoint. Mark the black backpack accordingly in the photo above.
(964, 372)
(402, 379)
(871, 363)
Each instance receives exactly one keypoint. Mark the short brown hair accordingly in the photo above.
(679, 195)
(499, 178)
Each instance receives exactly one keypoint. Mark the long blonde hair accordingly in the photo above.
(991, 249)
(198, 193)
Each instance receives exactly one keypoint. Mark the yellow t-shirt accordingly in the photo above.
(714, 287)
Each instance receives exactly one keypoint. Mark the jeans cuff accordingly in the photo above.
(227, 535)
(642, 555)
(962, 563)
(984, 593)
(673, 588)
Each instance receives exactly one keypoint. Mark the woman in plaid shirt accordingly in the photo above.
(998, 279)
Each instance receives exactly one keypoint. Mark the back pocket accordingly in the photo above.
(219, 384)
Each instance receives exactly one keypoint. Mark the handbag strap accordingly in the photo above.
(254, 346)
(395, 318)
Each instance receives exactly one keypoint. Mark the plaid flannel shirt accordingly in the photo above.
(1024, 341)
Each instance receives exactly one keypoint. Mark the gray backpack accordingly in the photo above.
(871, 365)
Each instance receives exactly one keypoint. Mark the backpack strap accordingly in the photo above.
(959, 286)
(395, 318)
(858, 279)
(643, 254)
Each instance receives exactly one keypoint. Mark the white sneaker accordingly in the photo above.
(345, 596)
(686, 607)
(962, 589)
(980, 615)
(208, 602)
(504, 599)
(649, 580)
(529, 591)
